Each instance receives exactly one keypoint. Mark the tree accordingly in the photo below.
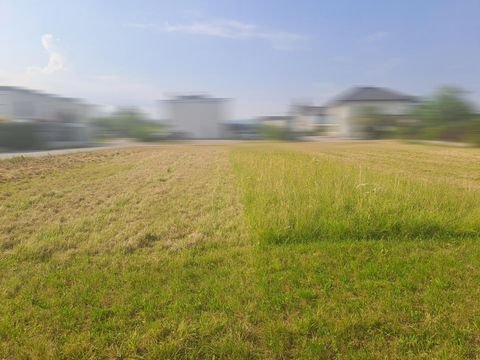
(371, 123)
(447, 105)
(130, 123)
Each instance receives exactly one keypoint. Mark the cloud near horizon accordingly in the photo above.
(230, 29)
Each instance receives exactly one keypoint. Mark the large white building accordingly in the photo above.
(345, 109)
(197, 116)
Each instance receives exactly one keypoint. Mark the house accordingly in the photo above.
(58, 121)
(196, 116)
(29, 105)
(344, 110)
(309, 119)
(275, 127)
(278, 121)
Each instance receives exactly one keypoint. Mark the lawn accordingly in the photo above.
(255, 250)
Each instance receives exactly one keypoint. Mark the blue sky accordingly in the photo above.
(264, 54)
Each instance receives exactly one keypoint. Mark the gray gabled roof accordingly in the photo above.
(370, 93)
(39, 93)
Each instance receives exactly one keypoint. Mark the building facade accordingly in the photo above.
(196, 116)
(18, 104)
(346, 110)
(311, 120)
(59, 121)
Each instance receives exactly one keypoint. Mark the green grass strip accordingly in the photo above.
(291, 197)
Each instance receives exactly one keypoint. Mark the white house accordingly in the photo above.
(29, 105)
(60, 121)
(278, 121)
(344, 110)
(197, 116)
(309, 119)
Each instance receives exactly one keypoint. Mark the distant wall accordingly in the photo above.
(197, 118)
(344, 114)
(26, 105)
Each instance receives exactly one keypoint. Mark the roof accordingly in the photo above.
(36, 92)
(370, 93)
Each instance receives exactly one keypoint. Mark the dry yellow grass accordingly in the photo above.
(164, 193)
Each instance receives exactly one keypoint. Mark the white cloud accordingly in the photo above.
(38, 76)
(376, 36)
(231, 29)
(55, 77)
(56, 61)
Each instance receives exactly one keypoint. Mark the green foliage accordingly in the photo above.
(19, 136)
(446, 106)
(468, 131)
(372, 124)
(446, 116)
(472, 133)
(409, 131)
(130, 123)
(273, 132)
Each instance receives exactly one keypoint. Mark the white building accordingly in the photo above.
(197, 116)
(310, 119)
(29, 105)
(344, 110)
(277, 121)
(59, 121)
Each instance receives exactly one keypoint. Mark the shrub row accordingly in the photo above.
(20, 136)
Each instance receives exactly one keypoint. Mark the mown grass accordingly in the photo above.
(154, 253)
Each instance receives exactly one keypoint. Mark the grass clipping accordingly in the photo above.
(296, 198)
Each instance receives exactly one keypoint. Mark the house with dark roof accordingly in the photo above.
(345, 109)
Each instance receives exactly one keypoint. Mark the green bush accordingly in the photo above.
(273, 132)
(405, 132)
(431, 133)
(448, 105)
(129, 123)
(460, 132)
(472, 134)
(148, 133)
(447, 115)
(19, 136)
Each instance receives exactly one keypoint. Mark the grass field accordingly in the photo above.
(304, 251)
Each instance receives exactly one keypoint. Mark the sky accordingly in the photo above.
(264, 54)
